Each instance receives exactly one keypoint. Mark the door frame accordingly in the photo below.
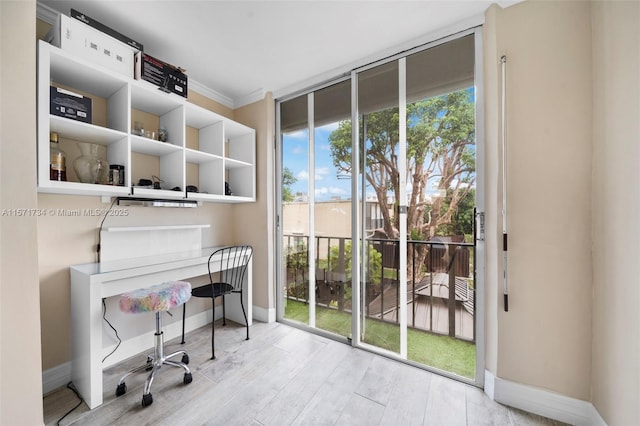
(357, 210)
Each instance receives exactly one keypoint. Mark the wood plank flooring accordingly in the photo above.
(285, 376)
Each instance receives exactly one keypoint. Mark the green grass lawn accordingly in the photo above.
(442, 352)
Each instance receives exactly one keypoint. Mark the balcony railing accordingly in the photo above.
(440, 281)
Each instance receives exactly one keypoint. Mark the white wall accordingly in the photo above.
(616, 207)
(20, 372)
(255, 221)
(544, 340)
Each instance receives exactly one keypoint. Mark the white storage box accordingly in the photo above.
(92, 45)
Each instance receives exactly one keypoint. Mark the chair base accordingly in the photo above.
(154, 362)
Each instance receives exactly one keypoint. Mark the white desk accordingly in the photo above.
(92, 282)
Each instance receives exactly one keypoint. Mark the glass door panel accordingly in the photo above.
(332, 208)
(295, 209)
(379, 197)
(441, 189)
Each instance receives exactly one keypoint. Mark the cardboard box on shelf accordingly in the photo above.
(92, 45)
(107, 30)
(65, 103)
(167, 77)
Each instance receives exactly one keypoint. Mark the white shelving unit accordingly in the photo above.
(225, 149)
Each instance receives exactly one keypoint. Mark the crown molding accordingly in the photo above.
(210, 93)
(46, 14)
(255, 96)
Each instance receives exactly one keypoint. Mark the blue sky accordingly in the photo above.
(295, 158)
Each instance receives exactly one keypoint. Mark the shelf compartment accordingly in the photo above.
(168, 167)
(75, 72)
(154, 119)
(198, 117)
(210, 172)
(79, 131)
(151, 147)
(156, 102)
(233, 130)
(241, 147)
(115, 149)
(240, 181)
(199, 157)
(60, 69)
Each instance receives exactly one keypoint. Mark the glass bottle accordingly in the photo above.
(57, 159)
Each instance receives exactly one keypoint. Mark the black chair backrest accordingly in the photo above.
(232, 263)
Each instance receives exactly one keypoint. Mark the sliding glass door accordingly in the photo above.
(379, 196)
(441, 189)
(295, 223)
(379, 187)
(316, 210)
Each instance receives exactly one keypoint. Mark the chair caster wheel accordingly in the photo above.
(188, 378)
(147, 400)
(185, 359)
(121, 389)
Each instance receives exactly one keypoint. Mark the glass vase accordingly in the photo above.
(91, 167)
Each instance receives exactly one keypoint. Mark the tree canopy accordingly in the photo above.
(440, 161)
(288, 179)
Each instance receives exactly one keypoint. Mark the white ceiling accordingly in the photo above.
(241, 49)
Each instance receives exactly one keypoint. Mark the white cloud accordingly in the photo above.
(321, 172)
(300, 134)
(330, 127)
(330, 190)
(454, 184)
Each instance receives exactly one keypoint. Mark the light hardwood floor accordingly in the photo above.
(285, 376)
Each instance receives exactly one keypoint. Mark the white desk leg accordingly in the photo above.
(86, 329)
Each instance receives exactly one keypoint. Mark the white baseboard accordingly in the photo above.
(261, 314)
(489, 384)
(542, 402)
(56, 377)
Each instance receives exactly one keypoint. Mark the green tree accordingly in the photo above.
(440, 157)
(462, 220)
(374, 268)
(288, 179)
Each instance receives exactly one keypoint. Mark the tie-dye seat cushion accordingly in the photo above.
(160, 297)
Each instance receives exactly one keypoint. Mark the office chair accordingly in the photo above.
(157, 298)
